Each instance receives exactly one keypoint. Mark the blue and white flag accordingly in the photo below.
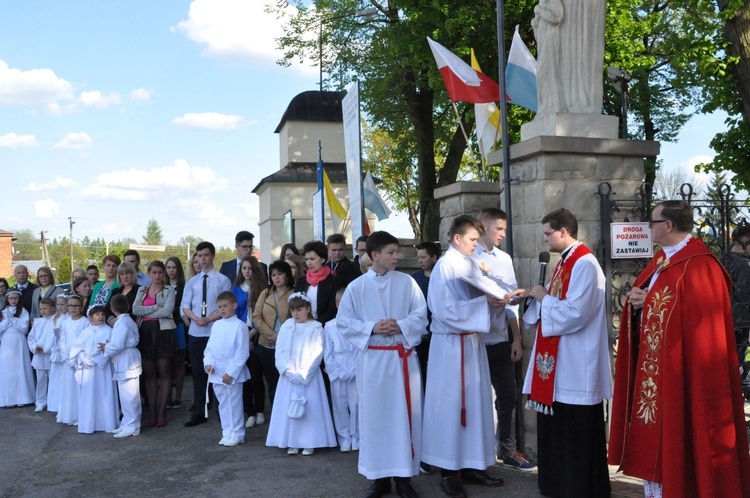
(373, 202)
(520, 75)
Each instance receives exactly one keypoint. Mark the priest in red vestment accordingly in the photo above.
(677, 418)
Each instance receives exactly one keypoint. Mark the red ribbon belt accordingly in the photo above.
(463, 380)
(404, 354)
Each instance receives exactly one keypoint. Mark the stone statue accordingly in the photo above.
(570, 55)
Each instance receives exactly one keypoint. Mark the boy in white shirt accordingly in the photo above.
(127, 366)
(224, 361)
(41, 341)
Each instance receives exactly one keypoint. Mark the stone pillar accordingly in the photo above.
(551, 172)
(464, 198)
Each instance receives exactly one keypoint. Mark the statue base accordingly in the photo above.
(572, 125)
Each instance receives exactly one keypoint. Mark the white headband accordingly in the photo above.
(300, 295)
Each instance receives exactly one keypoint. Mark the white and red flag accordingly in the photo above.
(463, 83)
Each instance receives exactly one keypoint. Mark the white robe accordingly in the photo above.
(583, 371)
(299, 350)
(385, 441)
(341, 358)
(227, 352)
(97, 404)
(67, 412)
(126, 363)
(42, 335)
(457, 308)
(16, 377)
(57, 368)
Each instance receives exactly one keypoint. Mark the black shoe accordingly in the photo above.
(425, 468)
(195, 420)
(452, 487)
(379, 488)
(404, 488)
(480, 478)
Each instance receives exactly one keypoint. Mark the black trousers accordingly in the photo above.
(196, 347)
(573, 452)
(503, 378)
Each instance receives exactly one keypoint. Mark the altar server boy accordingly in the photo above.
(97, 402)
(224, 361)
(41, 340)
(126, 360)
(383, 314)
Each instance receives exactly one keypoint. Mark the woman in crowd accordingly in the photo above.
(4, 286)
(297, 263)
(127, 285)
(271, 311)
(176, 280)
(17, 378)
(82, 287)
(155, 304)
(102, 290)
(318, 283)
(194, 266)
(46, 288)
(287, 250)
(248, 285)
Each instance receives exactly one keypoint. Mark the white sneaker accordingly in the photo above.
(250, 422)
(123, 434)
(40, 408)
(233, 442)
(259, 419)
(346, 448)
(308, 451)
(355, 445)
(116, 431)
(222, 441)
(292, 451)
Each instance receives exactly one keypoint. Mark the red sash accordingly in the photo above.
(404, 354)
(545, 362)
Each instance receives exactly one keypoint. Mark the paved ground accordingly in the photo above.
(41, 458)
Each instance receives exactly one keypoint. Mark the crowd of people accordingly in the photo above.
(356, 355)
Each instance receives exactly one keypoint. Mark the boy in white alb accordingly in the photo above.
(224, 361)
(383, 313)
(341, 357)
(41, 340)
(127, 365)
(97, 402)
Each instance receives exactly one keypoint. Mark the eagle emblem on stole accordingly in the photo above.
(544, 365)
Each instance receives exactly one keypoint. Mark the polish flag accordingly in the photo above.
(463, 83)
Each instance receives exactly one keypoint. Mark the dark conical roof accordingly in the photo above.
(314, 106)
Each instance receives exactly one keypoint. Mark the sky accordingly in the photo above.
(116, 112)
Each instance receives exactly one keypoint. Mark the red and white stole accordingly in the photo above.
(545, 360)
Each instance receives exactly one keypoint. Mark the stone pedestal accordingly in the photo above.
(571, 125)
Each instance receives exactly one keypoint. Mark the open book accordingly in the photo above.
(489, 285)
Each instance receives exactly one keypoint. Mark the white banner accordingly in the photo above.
(317, 200)
(144, 247)
(353, 147)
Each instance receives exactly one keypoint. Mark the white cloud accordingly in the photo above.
(32, 87)
(176, 180)
(56, 184)
(46, 208)
(208, 121)
(141, 94)
(98, 99)
(75, 141)
(15, 141)
(233, 28)
(251, 209)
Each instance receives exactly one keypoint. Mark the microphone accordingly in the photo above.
(543, 260)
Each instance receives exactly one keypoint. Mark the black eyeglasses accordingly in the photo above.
(652, 222)
(247, 248)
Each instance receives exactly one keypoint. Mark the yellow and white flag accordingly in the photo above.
(487, 116)
(338, 213)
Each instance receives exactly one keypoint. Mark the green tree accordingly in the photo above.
(27, 245)
(153, 234)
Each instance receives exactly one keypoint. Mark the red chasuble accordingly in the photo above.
(677, 415)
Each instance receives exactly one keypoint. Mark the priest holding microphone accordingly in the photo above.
(569, 373)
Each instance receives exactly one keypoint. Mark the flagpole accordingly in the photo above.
(504, 124)
(466, 136)
(322, 191)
